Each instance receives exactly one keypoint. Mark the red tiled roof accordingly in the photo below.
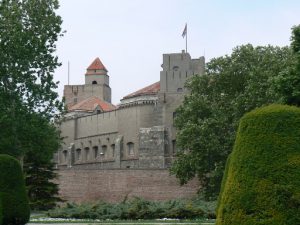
(90, 104)
(149, 90)
(97, 65)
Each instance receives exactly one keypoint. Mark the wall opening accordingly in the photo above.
(130, 148)
(94, 82)
(113, 150)
(103, 151)
(78, 154)
(87, 153)
(174, 117)
(64, 156)
(175, 68)
(174, 147)
(95, 151)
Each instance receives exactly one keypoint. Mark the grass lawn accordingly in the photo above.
(42, 219)
(120, 222)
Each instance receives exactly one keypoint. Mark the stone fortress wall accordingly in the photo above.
(127, 150)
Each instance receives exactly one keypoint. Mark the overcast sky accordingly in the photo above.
(130, 36)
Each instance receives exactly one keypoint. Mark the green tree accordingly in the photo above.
(43, 141)
(208, 118)
(288, 81)
(29, 30)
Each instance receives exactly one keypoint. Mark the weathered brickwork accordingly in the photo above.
(113, 185)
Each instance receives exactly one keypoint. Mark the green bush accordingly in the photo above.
(15, 206)
(0, 211)
(262, 180)
(136, 208)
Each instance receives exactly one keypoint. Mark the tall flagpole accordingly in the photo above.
(68, 73)
(184, 35)
(186, 40)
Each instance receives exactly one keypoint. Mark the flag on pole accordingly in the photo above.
(184, 31)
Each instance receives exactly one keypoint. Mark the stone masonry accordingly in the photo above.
(110, 151)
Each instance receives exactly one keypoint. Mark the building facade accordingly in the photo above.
(136, 135)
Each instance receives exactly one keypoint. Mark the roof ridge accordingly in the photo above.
(91, 103)
(150, 89)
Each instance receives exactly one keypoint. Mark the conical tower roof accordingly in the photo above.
(97, 65)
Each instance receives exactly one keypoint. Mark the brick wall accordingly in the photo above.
(114, 185)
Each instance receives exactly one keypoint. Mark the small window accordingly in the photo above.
(104, 150)
(175, 68)
(113, 150)
(179, 89)
(174, 116)
(87, 154)
(95, 150)
(174, 147)
(64, 156)
(78, 154)
(130, 148)
(94, 82)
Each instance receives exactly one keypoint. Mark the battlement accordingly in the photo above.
(177, 68)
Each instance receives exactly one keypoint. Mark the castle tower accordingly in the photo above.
(96, 73)
(177, 68)
(96, 85)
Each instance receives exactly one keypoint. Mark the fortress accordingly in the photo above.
(111, 152)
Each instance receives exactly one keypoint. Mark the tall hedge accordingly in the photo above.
(0, 211)
(262, 181)
(15, 206)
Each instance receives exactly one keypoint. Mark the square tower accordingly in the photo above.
(96, 85)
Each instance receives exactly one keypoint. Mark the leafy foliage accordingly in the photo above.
(15, 207)
(43, 141)
(42, 191)
(288, 81)
(209, 116)
(1, 211)
(262, 182)
(29, 30)
(136, 208)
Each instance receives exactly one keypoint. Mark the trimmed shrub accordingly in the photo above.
(15, 206)
(136, 208)
(0, 211)
(262, 179)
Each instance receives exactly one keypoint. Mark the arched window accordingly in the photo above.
(175, 68)
(95, 151)
(87, 153)
(174, 116)
(103, 150)
(78, 154)
(174, 147)
(64, 156)
(94, 82)
(130, 148)
(179, 90)
(113, 150)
